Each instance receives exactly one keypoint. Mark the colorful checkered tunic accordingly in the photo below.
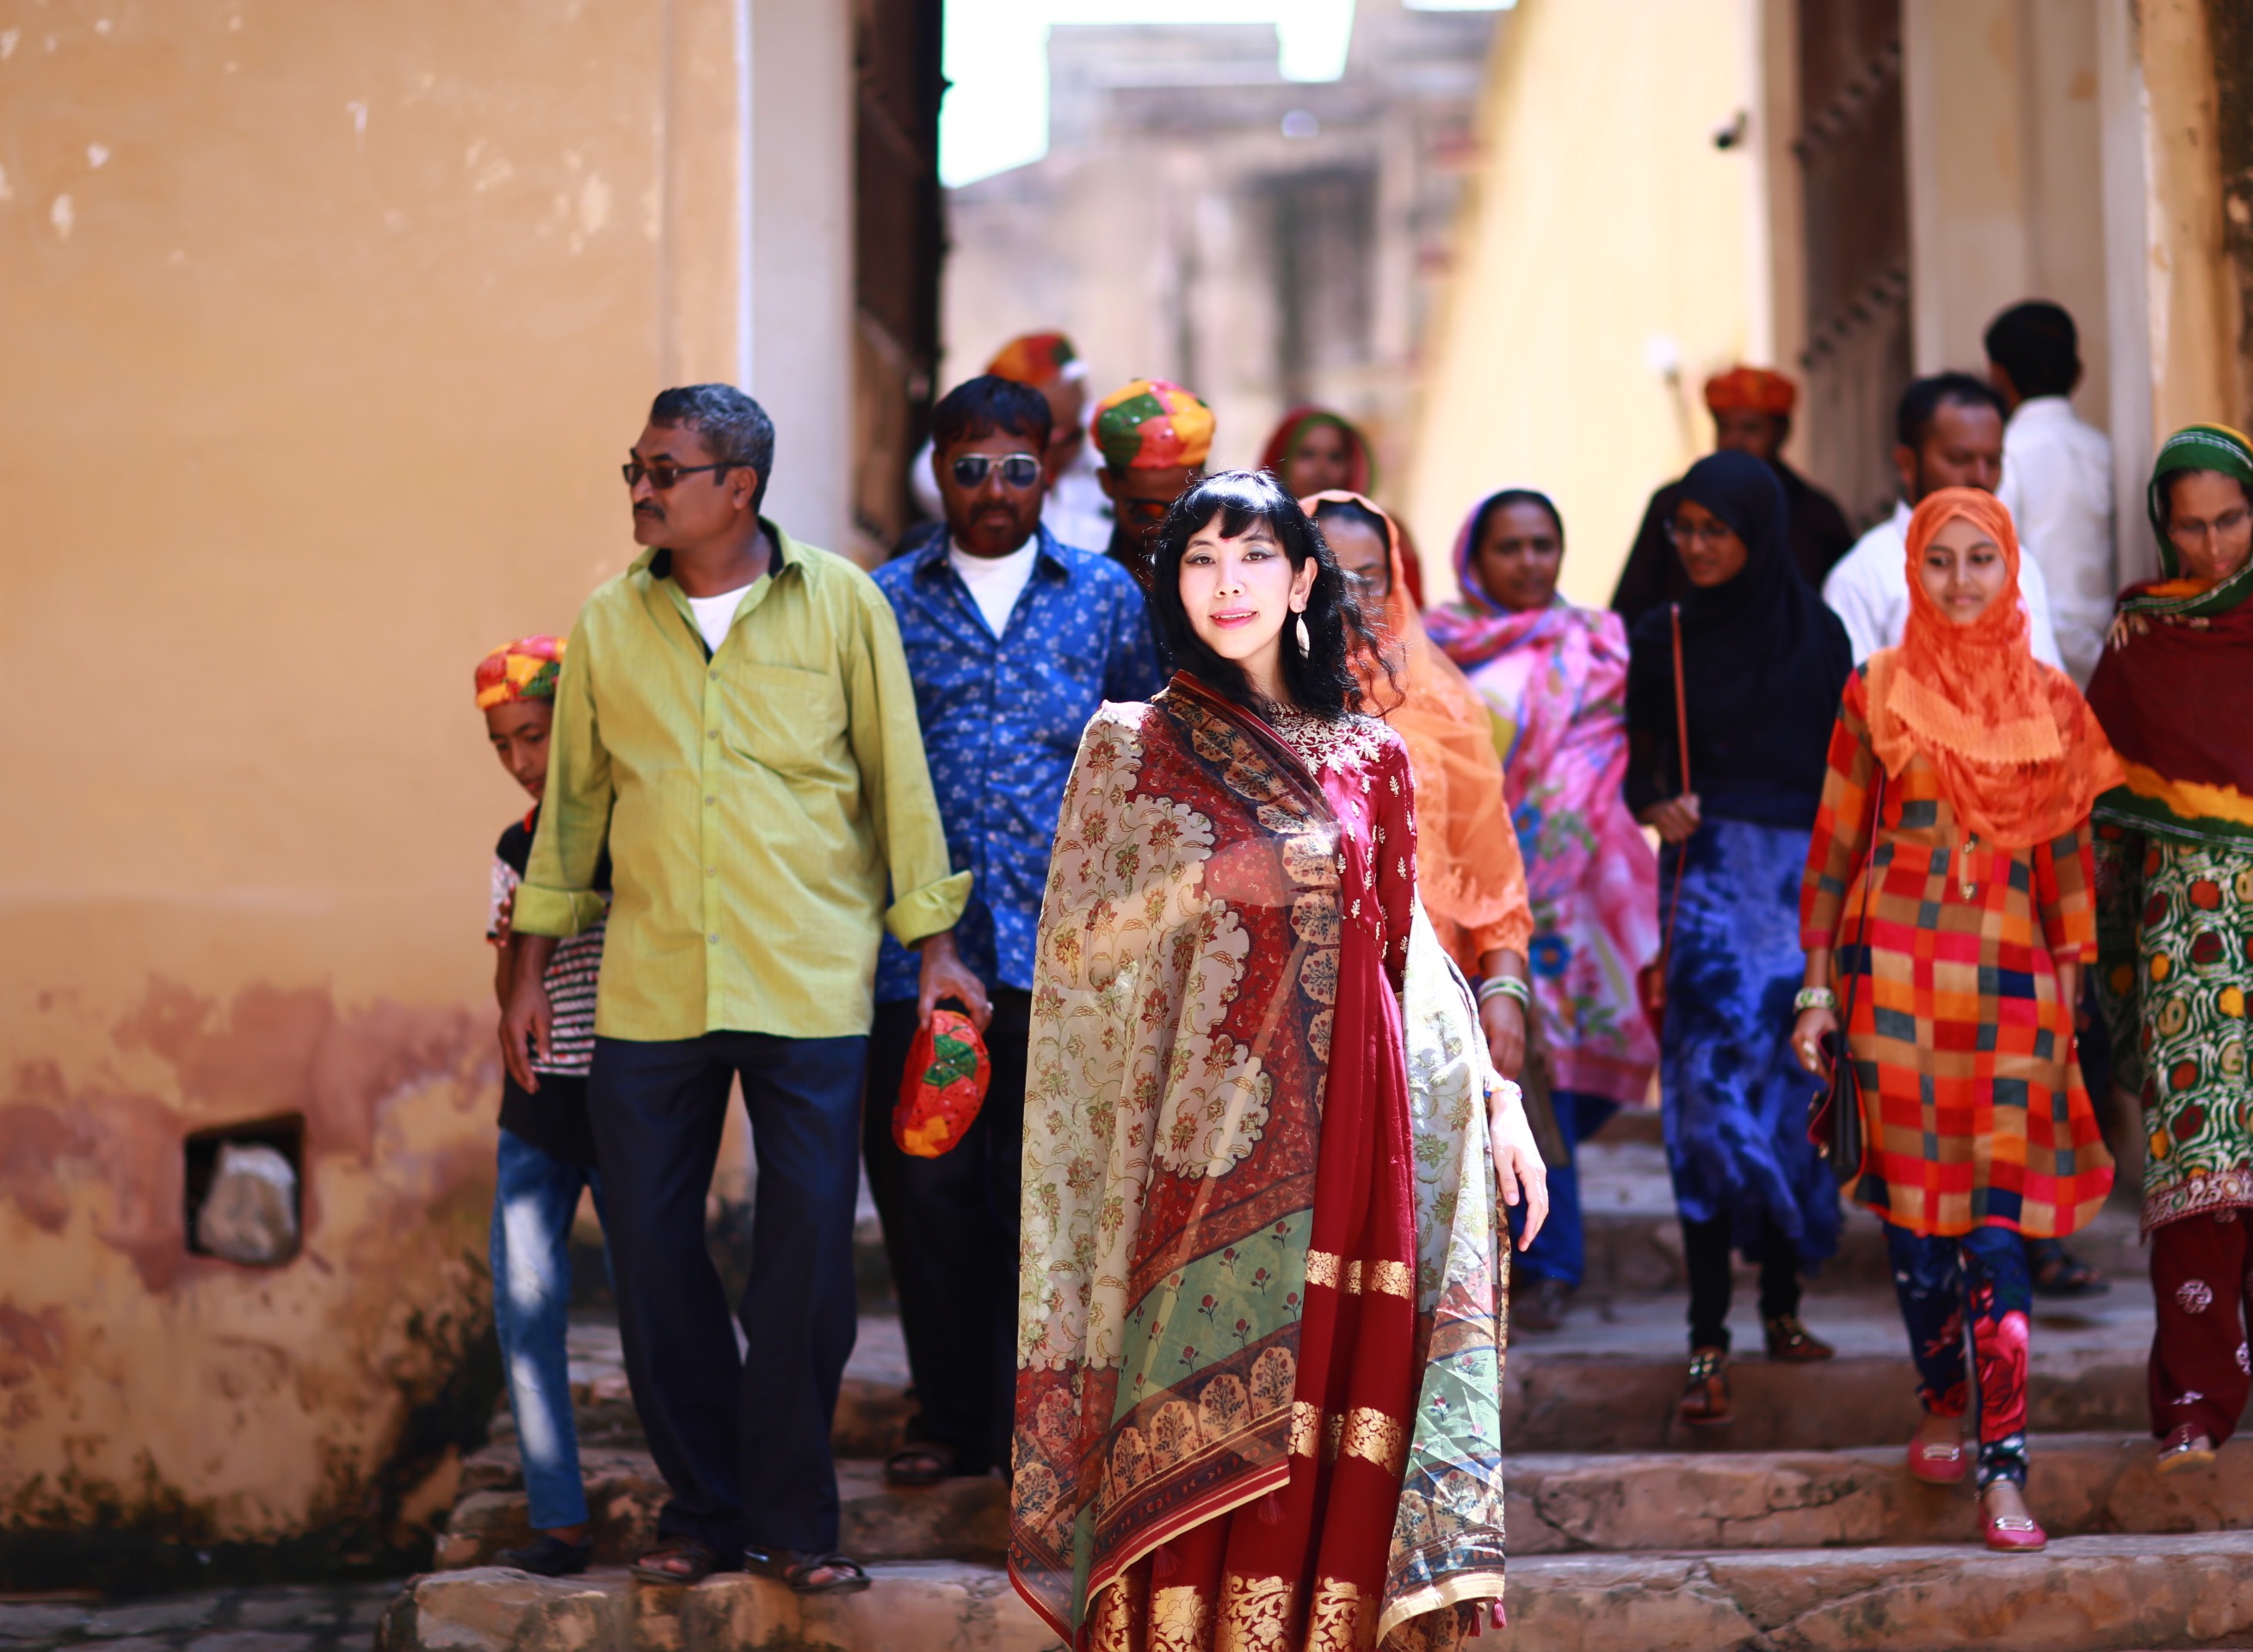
(1974, 1112)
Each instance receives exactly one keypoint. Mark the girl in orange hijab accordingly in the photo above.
(1966, 907)
(1469, 872)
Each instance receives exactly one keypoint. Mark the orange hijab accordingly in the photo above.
(1469, 871)
(2020, 755)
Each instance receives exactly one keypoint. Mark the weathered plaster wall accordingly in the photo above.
(326, 327)
(1605, 238)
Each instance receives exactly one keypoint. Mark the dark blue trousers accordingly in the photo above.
(744, 1444)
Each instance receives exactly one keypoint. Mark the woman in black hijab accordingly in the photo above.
(1762, 664)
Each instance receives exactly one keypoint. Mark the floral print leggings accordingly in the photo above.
(1981, 1275)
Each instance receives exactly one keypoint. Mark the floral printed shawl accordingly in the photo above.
(1181, 1043)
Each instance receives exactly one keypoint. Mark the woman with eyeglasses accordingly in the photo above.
(2174, 852)
(1762, 662)
(1260, 1338)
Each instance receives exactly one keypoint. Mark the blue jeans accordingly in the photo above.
(1560, 1250)
(534, 1198)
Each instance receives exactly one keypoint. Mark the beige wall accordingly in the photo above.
(1603, 226)
(326, 326)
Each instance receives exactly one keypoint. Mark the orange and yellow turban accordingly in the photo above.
(1751, 390)
(526, 669)
(1037, 358)
(1152, 424)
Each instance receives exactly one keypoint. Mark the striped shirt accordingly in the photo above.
(573, 972)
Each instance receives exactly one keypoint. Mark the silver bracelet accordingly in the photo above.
(1815, 997)
(1505, 986)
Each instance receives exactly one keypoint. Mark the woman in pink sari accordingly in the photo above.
(1554, 677)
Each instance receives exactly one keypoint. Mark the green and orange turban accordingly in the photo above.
(1152, 424)
(526, 669)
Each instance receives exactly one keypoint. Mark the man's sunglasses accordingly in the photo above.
(662, 476)
(1019, 471)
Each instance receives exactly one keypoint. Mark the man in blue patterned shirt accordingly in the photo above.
(1013, 640)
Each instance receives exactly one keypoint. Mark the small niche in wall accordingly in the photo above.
(246, 1190)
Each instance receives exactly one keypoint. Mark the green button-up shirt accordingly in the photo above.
(755, 803)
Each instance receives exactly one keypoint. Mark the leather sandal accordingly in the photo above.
(2188, 1446)
(1791, 1342)
(1705, 1401)
(698, 1562)
(798, 1568)
(924, 1463)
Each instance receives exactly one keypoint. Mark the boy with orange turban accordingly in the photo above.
(547, 1152)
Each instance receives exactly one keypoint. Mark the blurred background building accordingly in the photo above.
(327, 326)
(1198, 217)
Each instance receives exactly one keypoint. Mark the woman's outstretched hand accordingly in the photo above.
(1518, 1164)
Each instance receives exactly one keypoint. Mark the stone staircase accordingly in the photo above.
(1797, 1527)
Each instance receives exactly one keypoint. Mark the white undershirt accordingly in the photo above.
(995, 582)
(714, 614)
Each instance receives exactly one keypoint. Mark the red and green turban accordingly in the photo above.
(526, 669)
(1152, 424)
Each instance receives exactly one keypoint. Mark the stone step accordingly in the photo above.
(1606, 1383)
(2080, 1594)
(2082, 1484)
(954, 1520)
(1600, 1403)
(912, 1607)
(2083, 1594)
(1634, 1234)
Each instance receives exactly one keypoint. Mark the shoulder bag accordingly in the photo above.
(1650, 980)
(1834, 1118)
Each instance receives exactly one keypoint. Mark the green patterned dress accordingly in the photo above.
(2175, 935)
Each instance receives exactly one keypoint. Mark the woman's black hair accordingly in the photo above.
(1354, 511)
(1502, 501)
(1321, 681)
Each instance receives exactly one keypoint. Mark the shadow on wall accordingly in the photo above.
(245, 1311)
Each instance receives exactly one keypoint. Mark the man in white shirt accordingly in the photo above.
(1949, 432)
(2057, 475)
(1075, 509)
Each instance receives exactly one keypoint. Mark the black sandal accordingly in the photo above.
(924, 1463)
(2058, 1272)
(702, 1562)
(795, 1567)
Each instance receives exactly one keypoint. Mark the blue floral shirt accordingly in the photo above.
(1001, 721)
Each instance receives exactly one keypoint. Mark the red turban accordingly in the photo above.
(1751, 390)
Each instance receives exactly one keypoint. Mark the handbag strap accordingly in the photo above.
(1682, 745)
(1869, 876)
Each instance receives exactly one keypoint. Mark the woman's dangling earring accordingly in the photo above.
(1305, 643)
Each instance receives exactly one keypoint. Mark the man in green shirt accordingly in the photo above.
(734, 721)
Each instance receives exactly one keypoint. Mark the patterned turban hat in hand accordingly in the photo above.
(1039, 359)
(526, 669)
(1751, 390)
(1153, 425)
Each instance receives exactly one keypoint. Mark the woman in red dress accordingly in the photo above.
(1260, 1317)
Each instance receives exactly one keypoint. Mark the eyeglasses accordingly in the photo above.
(1713, 534)
(1019, 471)
(2199, 532)
(662, 476)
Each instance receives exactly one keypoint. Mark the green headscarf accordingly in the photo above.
(2195, 447)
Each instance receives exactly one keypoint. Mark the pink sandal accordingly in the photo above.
(1937, 1464)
